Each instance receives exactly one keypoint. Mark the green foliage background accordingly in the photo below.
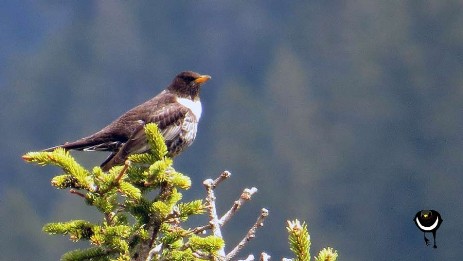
(344, 114)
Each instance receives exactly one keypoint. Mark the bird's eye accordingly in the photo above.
(188, 79)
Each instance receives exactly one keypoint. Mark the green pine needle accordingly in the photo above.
(157, 170)
(160, 208)
(61, 158)
(173, 198)
(156, 141)
(299, 240)
(177, 255)
(210, 244)
(179, 180)
(132, 215)
(327, 254)
(143, 158)
(129, 190)
(190, 208)
(76, 229)
(65, 181)
(94, 253)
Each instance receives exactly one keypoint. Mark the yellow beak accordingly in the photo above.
(202, 79)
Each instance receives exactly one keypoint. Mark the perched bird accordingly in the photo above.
(176, 111)
(428, 221)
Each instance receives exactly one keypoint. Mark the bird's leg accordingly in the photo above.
(426, 240)
(434, 237)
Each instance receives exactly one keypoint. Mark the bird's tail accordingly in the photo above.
(52, 148)
(82, 144)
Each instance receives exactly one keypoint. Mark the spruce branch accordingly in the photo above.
(299, 243)
(327, 254)
(62, 158)
(156, 141)
(122, 192)
(299, 240)
(94, 253)
(143, 214)
(76, 229)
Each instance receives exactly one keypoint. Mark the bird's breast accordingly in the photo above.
(194, 106)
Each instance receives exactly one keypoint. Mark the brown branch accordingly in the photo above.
(126, 166)
(75, 192)
(199, 230)
(212, 211)
(153, 226)
(211, 185)
(245, 196)
(118, 178)
(225, 175)
(201, 255)
(250, 235)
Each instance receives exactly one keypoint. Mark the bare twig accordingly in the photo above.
(201, 255)
(199, 230)
(264, 257)
(118, 178)
(225, 175)
(211, 208)
(126, 166)
(215, 223)
(212, 211)
(75, 192)
(250, 235)
(211, 185)
(245, 196)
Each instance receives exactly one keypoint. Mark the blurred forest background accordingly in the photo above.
(345, 114)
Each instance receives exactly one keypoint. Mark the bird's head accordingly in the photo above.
(188, 84)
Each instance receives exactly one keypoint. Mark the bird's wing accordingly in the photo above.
(135, 144)
(168, 119)
(162, 110)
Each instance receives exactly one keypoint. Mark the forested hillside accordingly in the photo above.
(345, 114)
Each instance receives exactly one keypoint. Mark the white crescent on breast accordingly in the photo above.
(194, 106)
(427, 228)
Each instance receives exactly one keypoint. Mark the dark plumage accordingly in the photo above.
(176, 111)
